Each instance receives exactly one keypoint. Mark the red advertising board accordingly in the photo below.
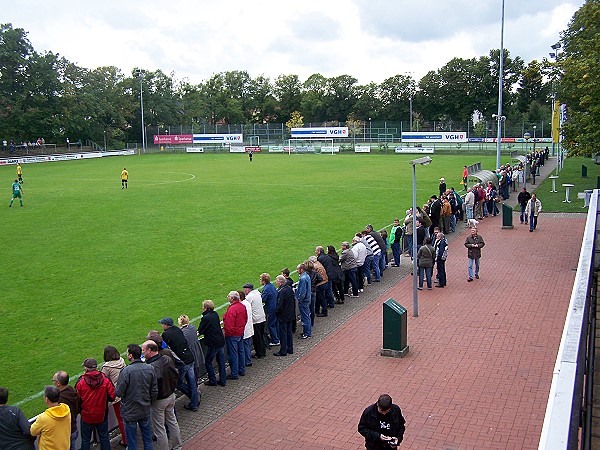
(173, 139)
(252, 149)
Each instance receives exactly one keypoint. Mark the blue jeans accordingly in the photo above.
(409, 242)
(367, 268)
(377, 266)
(350, 278)
(74, 437)
(428, 272)
(187, 384)
(211, 352)
(248, 351)
(441, 271)
(272, 326)
(330, 297)
(382, 262)
(101, 428)
(469, 210)
(131, 433)
(236, 355)
(396, 252)
(287, 338)
(313, 303)
(533, 222)
(321, 295)
(304, 308)
(471, 261)
(523, 216)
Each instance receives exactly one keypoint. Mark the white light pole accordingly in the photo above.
(140, 75)
(104, 140)
(500, 77)
(423, 162)
(527, 136)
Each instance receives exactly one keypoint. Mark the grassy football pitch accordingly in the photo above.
(87, 264)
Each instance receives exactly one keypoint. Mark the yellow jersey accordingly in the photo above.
(124, 175)
(19, 169)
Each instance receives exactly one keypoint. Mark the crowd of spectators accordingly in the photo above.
(12, 146)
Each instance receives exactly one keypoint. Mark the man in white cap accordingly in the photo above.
(442, 186)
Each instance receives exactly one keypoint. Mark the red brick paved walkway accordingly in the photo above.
(479, 368)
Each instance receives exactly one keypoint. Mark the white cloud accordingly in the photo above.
(368, 39)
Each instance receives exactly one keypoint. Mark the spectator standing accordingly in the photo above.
(68, 396)
(395, 240)
(435, 212)
(337, 279)
(113, 364)
(470, 203)
(425, 259)
(258, 320)
(286, 314)
(137, 388)
(95, 391)
(533, 210)
(441, 253)
(162, 410)
(15, 430)
(332, 269)
(474, 243)
(175, 339)
(381, 242)
(210, 328)
(248, 330)
(382, 424)
(191, 337)
(303, 296)
(442, 186)
(269, 298)
(322, 287)
(523, 198)
(348, 265)
(234, 323)
(54, 425)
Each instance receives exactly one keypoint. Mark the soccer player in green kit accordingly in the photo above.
(17, 193)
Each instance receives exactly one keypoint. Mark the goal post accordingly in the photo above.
(314, 145)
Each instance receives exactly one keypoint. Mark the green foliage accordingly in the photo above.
(578, 86)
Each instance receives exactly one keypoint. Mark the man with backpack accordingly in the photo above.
(163, 408)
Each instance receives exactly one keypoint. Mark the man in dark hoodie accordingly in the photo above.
(94, 391)
(15, 430)
(68, 396)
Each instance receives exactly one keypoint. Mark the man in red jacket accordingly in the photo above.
(94, 391)
(234, 322)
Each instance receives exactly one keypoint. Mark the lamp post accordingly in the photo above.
(410, 100)
(370, 138)
(554, 55)
(534, 140)
(140, 75)
(500, 80)
(414, 163)
(526, 136)
(104, 140)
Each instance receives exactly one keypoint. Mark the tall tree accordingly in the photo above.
(288, 93)
(578, 87)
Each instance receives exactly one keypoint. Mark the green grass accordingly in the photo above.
(87, 264)
(571, 174)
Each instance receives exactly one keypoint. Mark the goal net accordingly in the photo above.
(320, 145)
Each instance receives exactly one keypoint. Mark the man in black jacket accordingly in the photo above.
(177, 342)
(286, 314)
(210, 327)
(163, 408)
(382, 424)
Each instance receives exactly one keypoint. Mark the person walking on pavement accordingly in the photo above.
(474, 243)
(533, 210)
(523, 199)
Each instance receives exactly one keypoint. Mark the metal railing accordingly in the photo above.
(569, 403)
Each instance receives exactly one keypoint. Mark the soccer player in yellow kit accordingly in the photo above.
(20, 173)
(124, 177)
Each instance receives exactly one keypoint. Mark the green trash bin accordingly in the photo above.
(394, 330)
(507, 217)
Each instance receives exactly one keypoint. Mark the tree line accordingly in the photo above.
(44, 94)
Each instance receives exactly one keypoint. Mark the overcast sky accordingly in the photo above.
(368, 39)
